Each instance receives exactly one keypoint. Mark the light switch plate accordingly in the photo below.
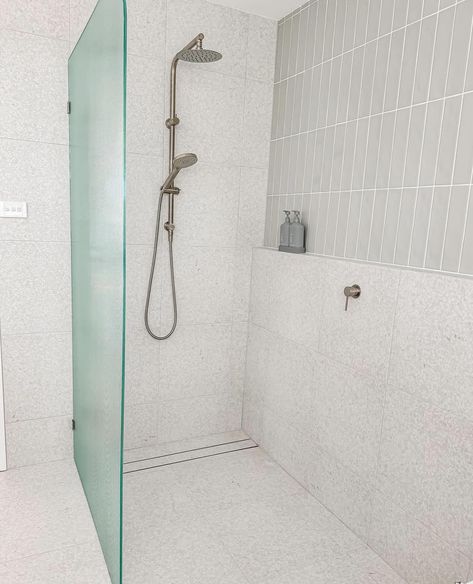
(13, 209)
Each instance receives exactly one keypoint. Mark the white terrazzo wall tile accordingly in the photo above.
(36, 41)
(348, 415)
(35, 292)
(219, 213)
(344, 492)
(145, 97)
(204, 355)
(141, 423)
(138, 260)
(301, 320)
(434, 363)
(425, 467)
(212, 109)
(49, 18)
(146, 104)
(413, 550)
(241, 280)
(257, 125)
(204, 278)
(262, 36)
(144, 174)
(369, 319)
(200, 416)
(207, 211)
(146, 28)
(142, 356)
(238, 355)
(35, 441)
(34, 256)
(380, 431)
(37, 371)
(37, 173)
(34, 87)
(252, 207)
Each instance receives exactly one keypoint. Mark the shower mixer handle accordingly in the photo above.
(351, 292)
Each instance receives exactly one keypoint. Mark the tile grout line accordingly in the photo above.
(409, 134)
(441, 129)
(370, 115)
(357, 124)
(424, 128)
(326, 209)
(460, 116)
(383, 120)
(367, 143)
(392, 30)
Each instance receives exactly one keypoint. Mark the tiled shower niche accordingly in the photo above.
(373, 106)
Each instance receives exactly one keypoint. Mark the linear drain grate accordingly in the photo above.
(188, 455)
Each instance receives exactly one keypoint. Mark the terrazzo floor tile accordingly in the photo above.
(237, 518)
(47, 532)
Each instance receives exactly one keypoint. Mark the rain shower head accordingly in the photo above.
(195, 53)
(199, 55)
(181, 161)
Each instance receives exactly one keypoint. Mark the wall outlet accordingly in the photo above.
(15, 209)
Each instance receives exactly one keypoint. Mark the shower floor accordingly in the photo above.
(237, 518)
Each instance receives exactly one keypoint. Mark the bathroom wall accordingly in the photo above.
(370, 136)
(191, 384)
(220, 218)
(370, 409)
(34, 252)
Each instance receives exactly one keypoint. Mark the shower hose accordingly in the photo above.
(151, 276)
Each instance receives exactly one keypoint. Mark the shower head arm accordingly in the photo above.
(195, 42)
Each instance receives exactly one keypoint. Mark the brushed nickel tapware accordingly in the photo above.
(192, 53)
(351, 292)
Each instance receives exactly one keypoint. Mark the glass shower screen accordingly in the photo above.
(97, 82)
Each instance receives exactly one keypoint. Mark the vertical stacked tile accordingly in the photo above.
(370, 131)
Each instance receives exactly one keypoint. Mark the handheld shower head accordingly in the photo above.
(180, 161)
(184, 160)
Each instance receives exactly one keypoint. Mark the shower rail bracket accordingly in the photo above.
(172, 191)
(171, 122)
